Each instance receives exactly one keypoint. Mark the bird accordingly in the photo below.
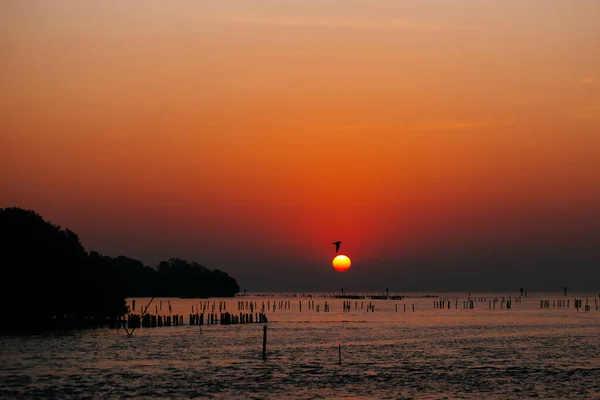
(337, 245)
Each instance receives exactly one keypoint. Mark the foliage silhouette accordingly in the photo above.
(47, 268)
(172, 278)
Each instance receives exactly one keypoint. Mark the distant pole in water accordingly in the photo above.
(565, 289)
(264, 354)
(339, 353)
(521, 291)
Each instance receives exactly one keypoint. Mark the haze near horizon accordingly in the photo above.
(448, 145)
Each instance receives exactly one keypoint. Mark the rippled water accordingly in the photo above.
(429, 353)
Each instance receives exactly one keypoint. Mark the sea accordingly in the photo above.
(370, 349)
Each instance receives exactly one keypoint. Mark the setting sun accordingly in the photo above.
(341, 263)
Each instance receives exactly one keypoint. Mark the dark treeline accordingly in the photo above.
(173, 278)
(48, 279)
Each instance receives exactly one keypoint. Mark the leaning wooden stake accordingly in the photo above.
(141, 316)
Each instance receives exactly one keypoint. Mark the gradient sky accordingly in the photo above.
(450, 145)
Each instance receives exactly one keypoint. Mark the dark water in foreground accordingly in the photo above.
(524, 352)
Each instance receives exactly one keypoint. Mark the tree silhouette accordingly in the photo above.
(47, 268)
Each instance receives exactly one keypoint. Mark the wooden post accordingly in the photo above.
(264, 353)
(339, 353)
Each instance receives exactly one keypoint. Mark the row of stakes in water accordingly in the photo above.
(206, 306)
(578, 303)
(150, 321)
(469, 304)
(281, 305)
(153, 321)
(286, 305)
(252, 305)
(517, 299)
(203, 306)
(441, 303)
(132, 308)
(347, 305)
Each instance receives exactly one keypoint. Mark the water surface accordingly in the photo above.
(522, 352)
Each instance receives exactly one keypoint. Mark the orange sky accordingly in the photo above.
(405, 129)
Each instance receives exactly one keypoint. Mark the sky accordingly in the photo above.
(448, 144)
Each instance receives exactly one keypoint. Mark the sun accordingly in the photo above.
(341, 263)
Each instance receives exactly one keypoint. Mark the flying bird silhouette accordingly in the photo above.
(337, 245)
